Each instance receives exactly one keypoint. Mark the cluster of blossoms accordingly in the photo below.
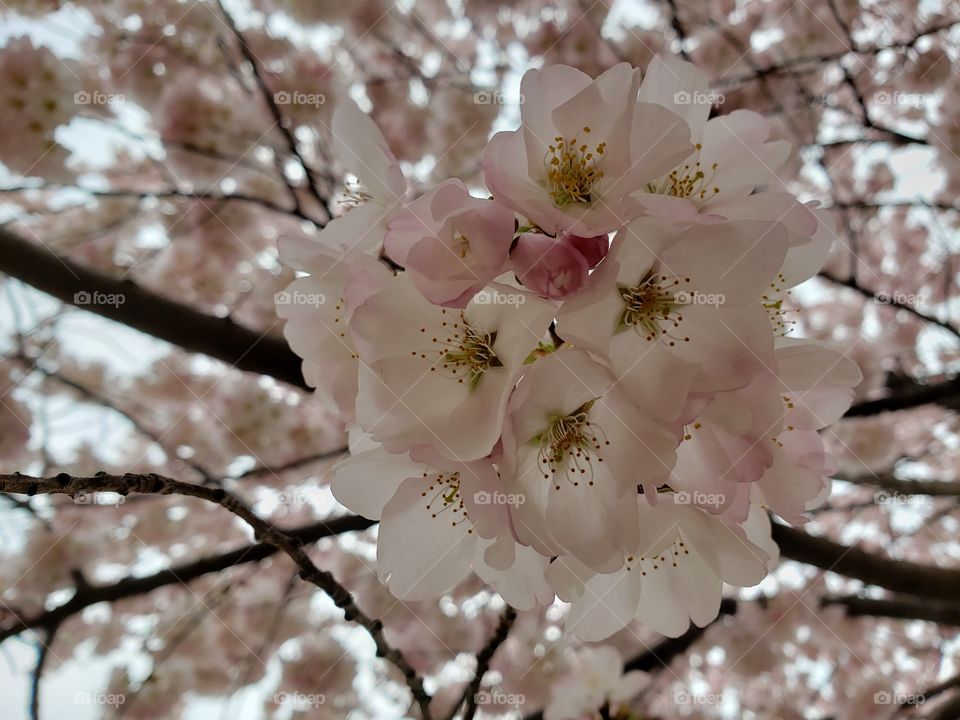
(581, 384)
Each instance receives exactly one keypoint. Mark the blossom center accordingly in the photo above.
(652, 304)
(461, 245)
(572, 170)
(568, 446)
(444, 494)
(465, 354)
(688, 181)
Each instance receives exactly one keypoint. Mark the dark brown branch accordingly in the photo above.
(823, 59)
(183, 574)
(950, 710)
(143, 310)
(169, 193)
(933, 488)
(945, 393)
(889, 301)
(151, 483)
(662, 654)
(283, 123)
(484, 657)
(43, 653)
(928, 581)
(901, 608)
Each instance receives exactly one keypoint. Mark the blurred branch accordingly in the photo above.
(664, 652)
(167, 193)
(886, 481)
(901, 608)
(43, 652)
(87, 595)
(151, 483)
(927, 581)
(282, 123)
(484, 657)
(889, 300)
(823, 59)
(945, 393)
(148, 312)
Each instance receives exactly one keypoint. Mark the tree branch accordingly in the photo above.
(64, 484)
(484, 657)
(129, 587)
(889, 300)
(901, 608)
(927, 581)
(143, 310)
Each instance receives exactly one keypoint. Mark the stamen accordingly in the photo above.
(651, 304)
(572, 170)
(465, 354)
(446, 497)
(568, 447)
(688, 181)
(772, 302)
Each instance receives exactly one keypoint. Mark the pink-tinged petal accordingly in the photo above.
(360, 146)
(607, 605)
(679, 86)
(423, 548)
(521, 584)
(804, 261)
(364, 483)
(548, 266)
(737, 144)
(594, 248)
